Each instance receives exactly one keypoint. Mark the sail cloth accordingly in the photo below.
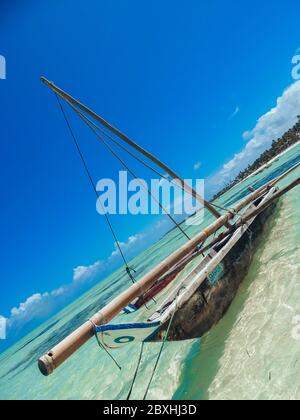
(117, 336)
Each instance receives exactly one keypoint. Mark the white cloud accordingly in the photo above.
(30, 302)
(197, 166)
(37, 306)
(235, 112)
(40, 306)
(269, 127)
(247, 135)
(126, 247)
(86, 273)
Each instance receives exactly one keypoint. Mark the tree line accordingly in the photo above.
(290, 138)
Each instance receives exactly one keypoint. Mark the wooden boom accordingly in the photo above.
(64, 95)
(61, 352)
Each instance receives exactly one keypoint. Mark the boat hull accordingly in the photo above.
(210, 302)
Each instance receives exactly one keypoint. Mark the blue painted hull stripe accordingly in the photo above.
(108, 327)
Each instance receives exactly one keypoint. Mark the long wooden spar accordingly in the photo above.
(61, 352)
(64, 95)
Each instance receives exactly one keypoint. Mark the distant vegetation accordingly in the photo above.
(278, 146)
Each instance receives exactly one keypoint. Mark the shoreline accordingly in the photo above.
(261, 168)
(269, 162)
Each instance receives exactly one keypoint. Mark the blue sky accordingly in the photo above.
(185, 80)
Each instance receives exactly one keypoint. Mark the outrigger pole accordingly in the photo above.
(62, 351)
(67, 97)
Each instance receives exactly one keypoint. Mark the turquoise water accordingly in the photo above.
(253, 352)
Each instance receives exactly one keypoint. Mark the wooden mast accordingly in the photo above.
(64, 95)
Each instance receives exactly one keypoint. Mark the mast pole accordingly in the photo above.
(64, 95)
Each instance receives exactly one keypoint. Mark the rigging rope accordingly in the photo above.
(91, 181)
(157, 359)
(140, 160)
(160, 353)
(129, 271)
(119, 144)
(103, 347)
(136, 371)
(85, 120)
(95, 127)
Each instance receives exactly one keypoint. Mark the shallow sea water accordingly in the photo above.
(253, 352)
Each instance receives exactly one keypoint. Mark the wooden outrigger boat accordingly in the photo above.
(200, 299)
